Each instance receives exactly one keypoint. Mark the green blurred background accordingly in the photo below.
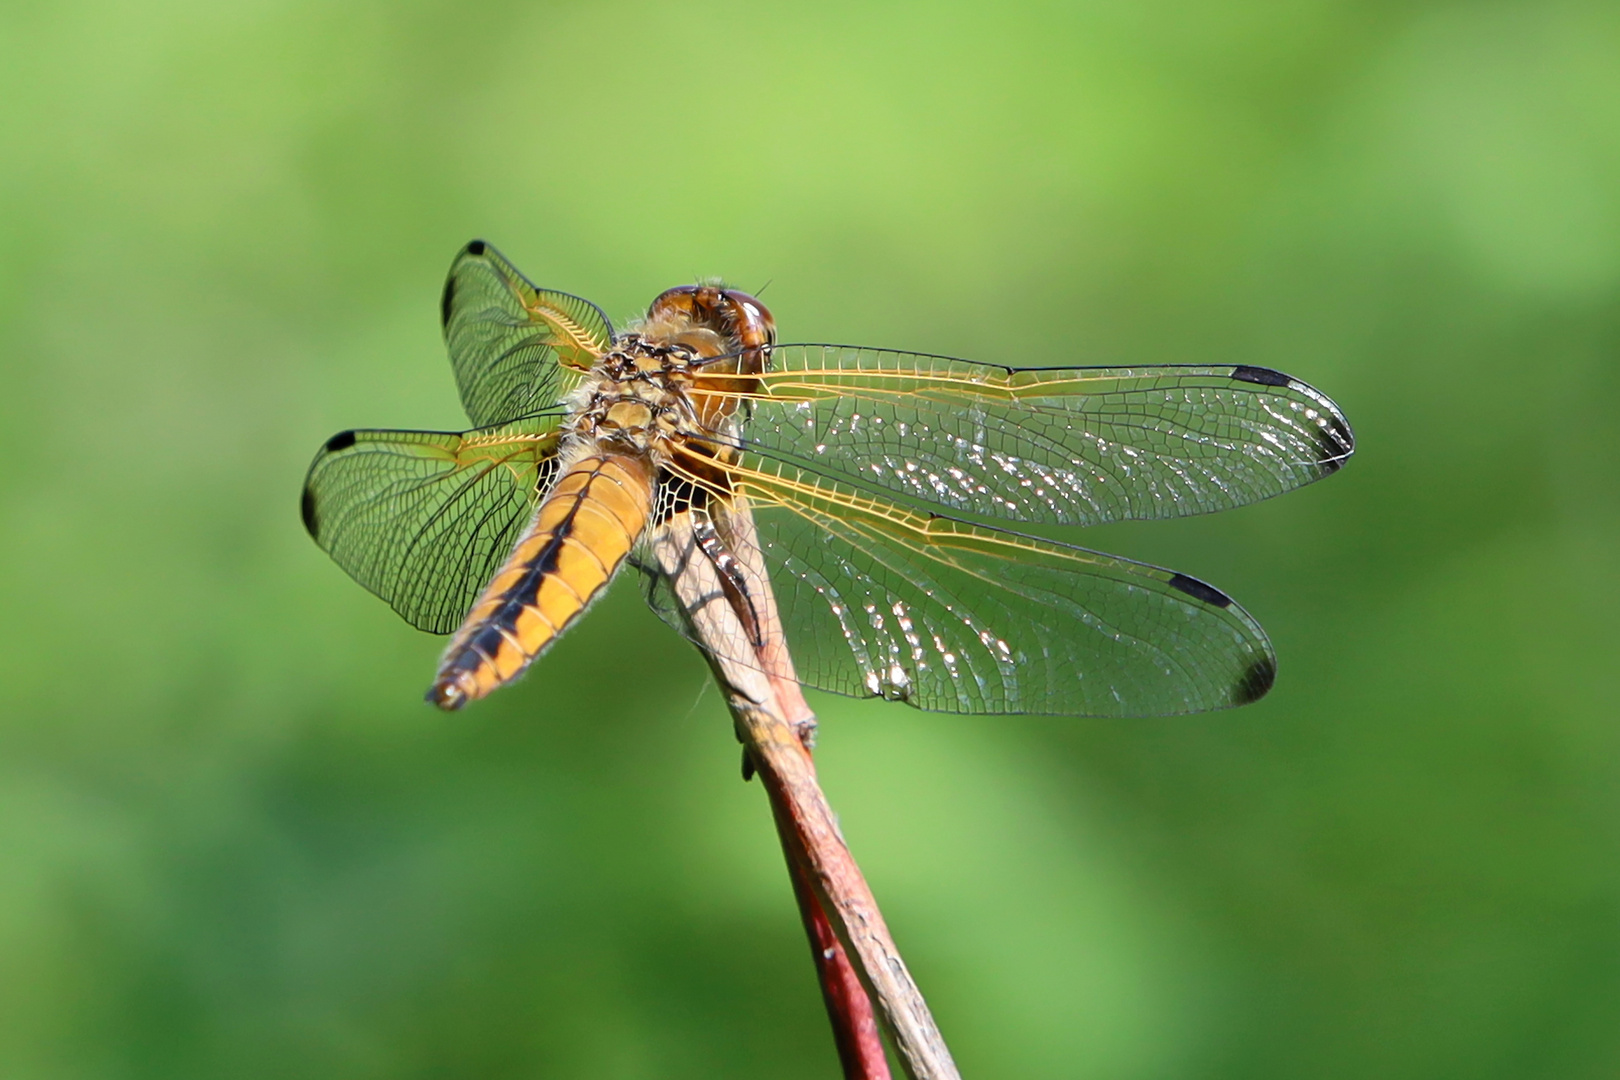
(234, 842)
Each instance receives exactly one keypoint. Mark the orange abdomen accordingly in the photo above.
(580, 534)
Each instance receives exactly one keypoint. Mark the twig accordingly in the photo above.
(849, 1008)
(773, 722)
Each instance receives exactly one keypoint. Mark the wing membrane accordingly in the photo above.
(950, 616)
(516, 349)
(424, 519)
(1064, 445)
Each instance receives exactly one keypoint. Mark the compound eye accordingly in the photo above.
(754, 316)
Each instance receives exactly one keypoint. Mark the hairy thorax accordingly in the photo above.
(636, 398)
(672, 375)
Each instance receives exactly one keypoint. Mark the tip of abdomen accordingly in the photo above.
(448, 694)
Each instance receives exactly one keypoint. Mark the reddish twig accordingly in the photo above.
(849, 1009)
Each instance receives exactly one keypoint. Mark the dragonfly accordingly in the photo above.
(884, 488)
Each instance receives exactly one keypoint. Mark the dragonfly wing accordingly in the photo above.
(1063, 445)
(424, 519)
(516, 349)
(949, 616)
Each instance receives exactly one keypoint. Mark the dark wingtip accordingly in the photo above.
(1336, 443)
(341, 441)
(1260, 376)
(1198, 590)
(1334, 440)
(1256, 681)
(306, 507)
(446, 300)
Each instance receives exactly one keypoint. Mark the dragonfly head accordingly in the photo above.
(715, 321)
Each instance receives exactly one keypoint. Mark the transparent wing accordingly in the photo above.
(424, 519)
(1062, 445)
(949, 616)
(516, 349)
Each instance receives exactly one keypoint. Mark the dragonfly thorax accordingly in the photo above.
(636, 395)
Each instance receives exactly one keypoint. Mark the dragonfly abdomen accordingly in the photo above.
(580, 535)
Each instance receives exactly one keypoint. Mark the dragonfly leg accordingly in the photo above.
(732, 579)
